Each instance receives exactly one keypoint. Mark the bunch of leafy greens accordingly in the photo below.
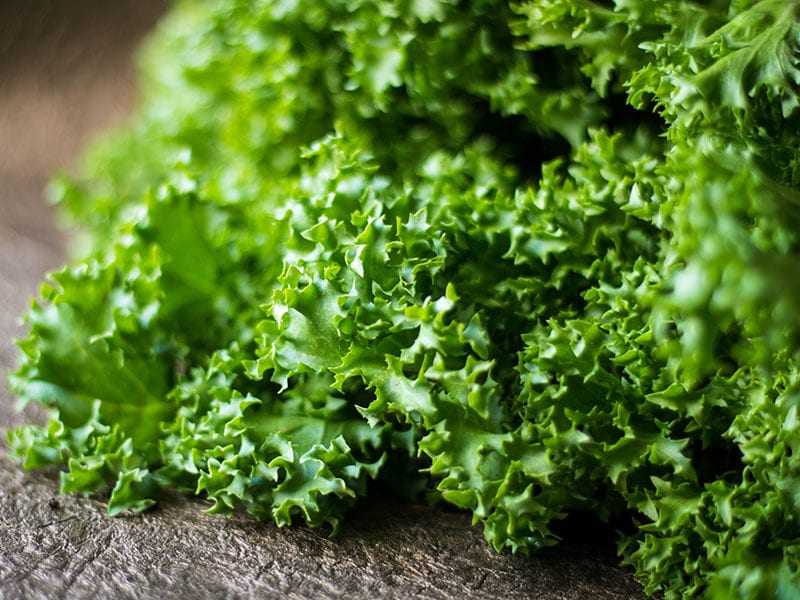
(545, 253)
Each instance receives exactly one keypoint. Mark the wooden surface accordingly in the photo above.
(65, 74)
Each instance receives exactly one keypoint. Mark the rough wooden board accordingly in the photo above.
(63, 546)
(64, 75)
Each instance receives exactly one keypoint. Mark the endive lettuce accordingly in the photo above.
(534, 257)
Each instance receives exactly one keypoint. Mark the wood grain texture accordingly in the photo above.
(59, 546)
(65, 74)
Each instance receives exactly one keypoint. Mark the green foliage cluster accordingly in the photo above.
(533, 258)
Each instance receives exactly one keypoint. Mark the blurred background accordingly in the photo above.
(66, 74)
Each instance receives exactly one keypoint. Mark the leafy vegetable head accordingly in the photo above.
(531, 258)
